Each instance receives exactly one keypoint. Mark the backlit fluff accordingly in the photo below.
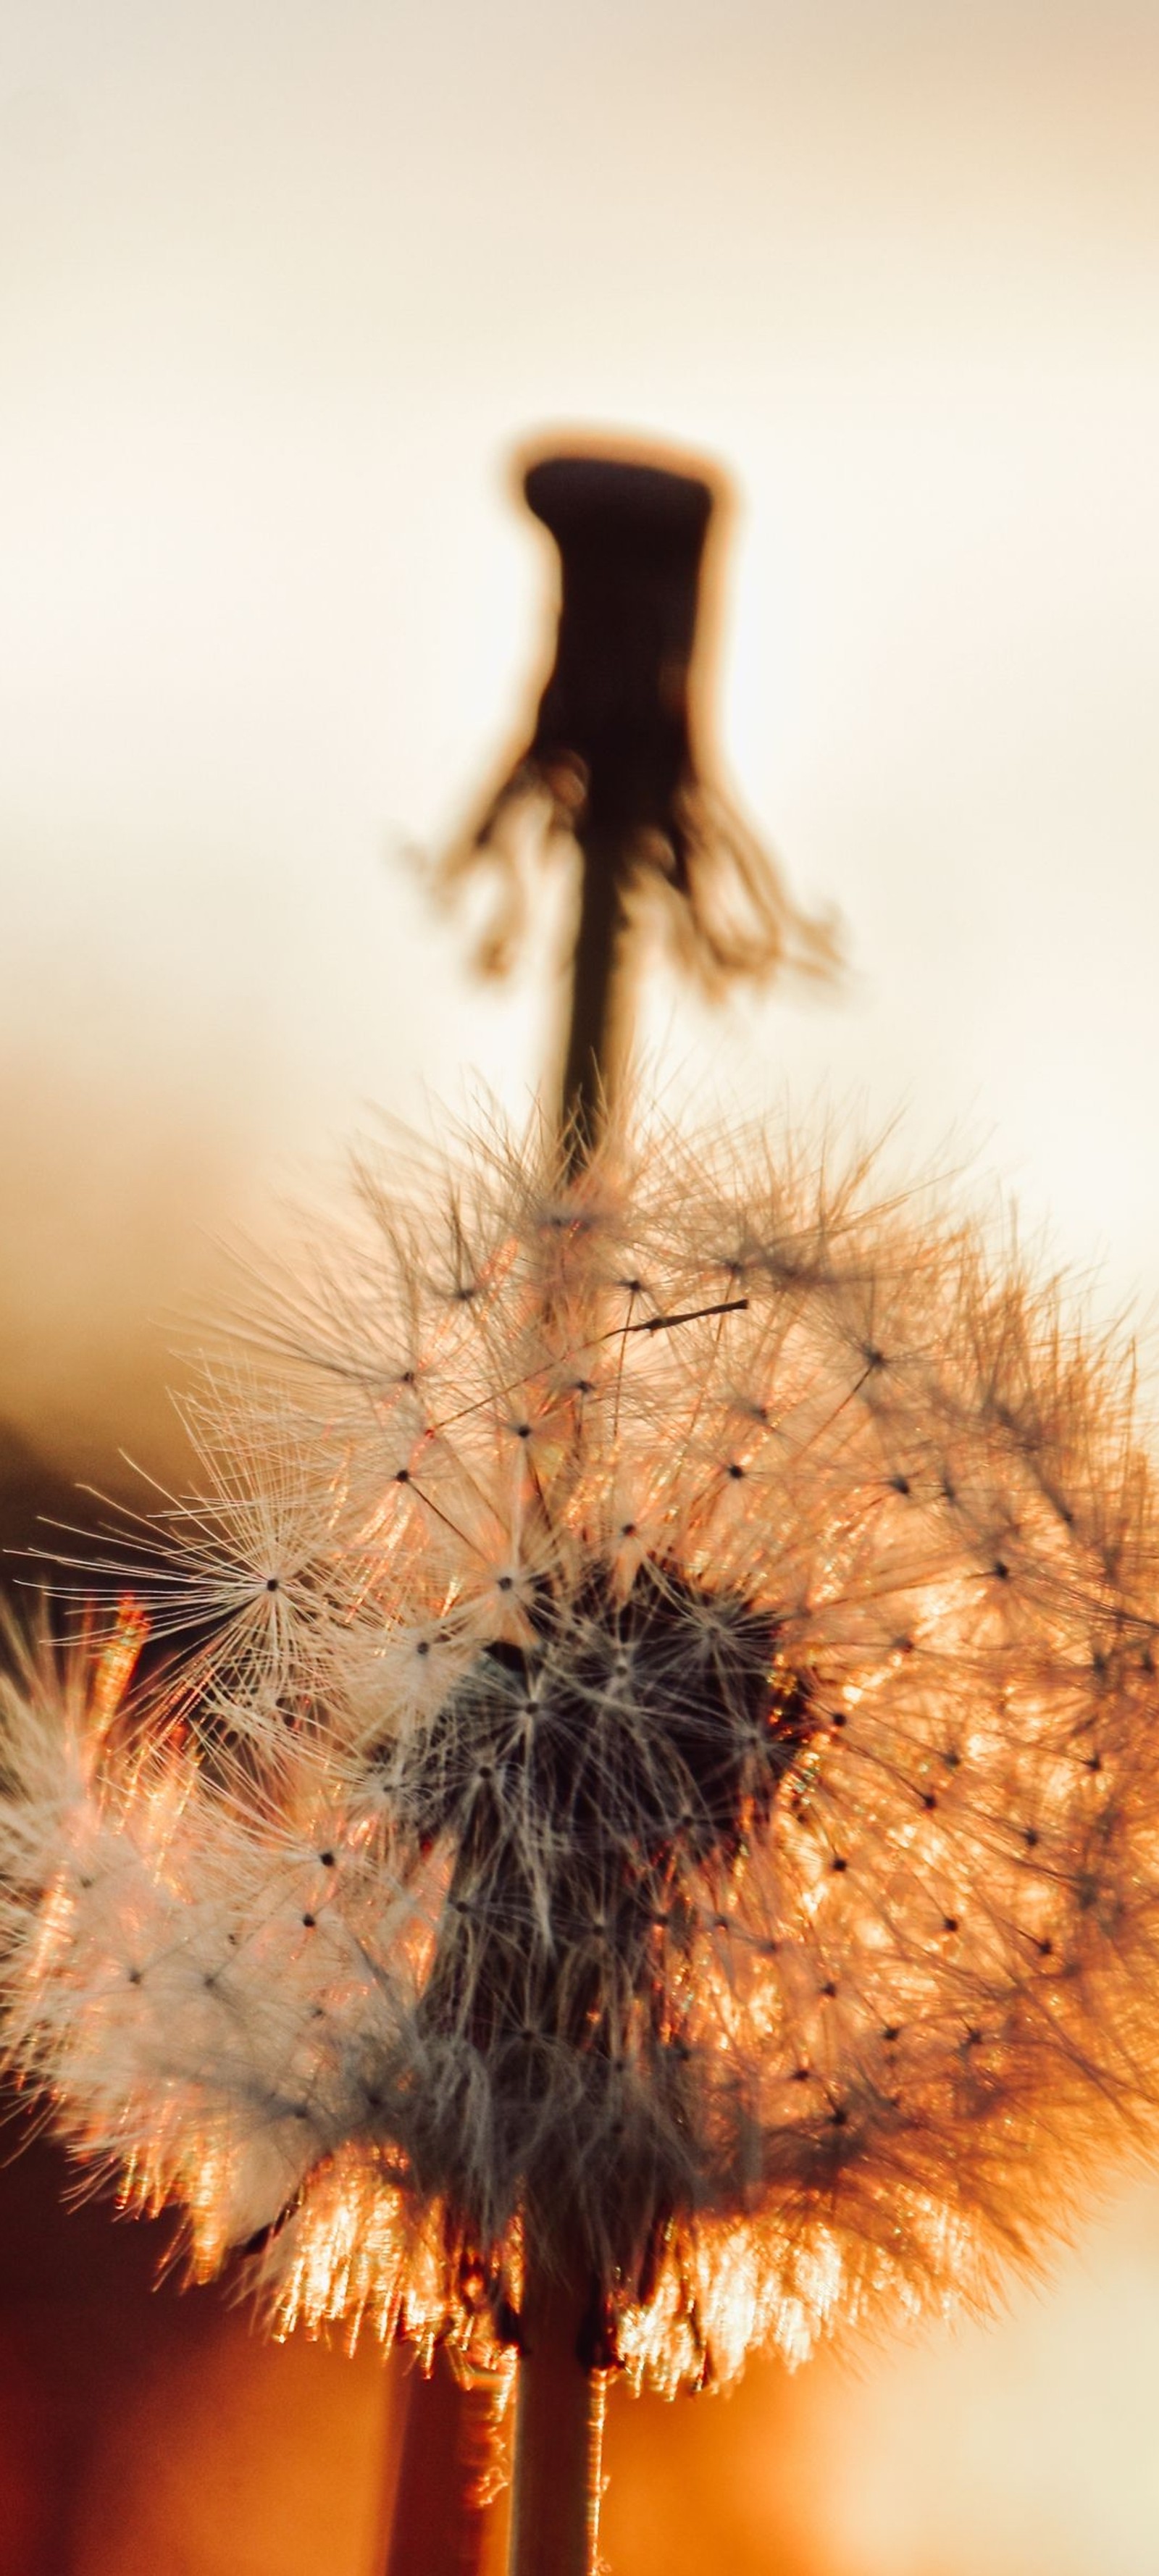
(658, 1749)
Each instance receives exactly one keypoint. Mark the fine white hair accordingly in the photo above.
(650, 1736)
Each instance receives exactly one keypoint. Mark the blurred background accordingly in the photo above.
(281, 287)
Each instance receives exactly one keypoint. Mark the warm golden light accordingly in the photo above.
(277, 318)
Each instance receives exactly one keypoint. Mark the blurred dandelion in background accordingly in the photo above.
(637, 1841)
(620, 740)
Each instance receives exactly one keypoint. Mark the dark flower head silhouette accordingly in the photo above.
(619, 754)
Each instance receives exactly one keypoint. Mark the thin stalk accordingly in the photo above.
(559, 2419)
(440, 2517)
(592, 1061)
(559, 2423)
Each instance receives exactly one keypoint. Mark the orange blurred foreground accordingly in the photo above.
(146, 2432)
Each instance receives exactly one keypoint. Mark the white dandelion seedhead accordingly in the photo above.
(693, 1796)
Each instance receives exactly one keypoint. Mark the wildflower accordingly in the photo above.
(661, 1779)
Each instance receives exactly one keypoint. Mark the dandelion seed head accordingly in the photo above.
(693, 1792)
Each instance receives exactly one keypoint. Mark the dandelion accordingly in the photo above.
(698, 1885)
(636, 1835)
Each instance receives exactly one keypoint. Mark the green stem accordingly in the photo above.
(555, 2506)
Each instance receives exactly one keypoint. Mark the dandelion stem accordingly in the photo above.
(439, 2522)
(558, 2434)
(593, 1041)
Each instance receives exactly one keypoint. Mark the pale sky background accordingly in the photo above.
(279, 288)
